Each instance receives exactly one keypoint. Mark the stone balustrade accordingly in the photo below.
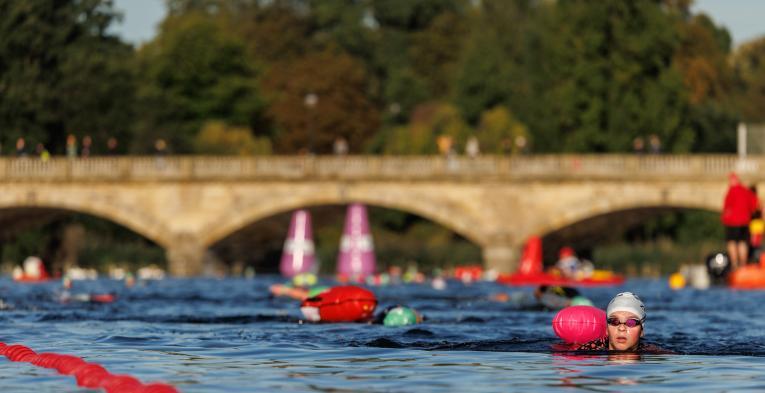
(458, 168)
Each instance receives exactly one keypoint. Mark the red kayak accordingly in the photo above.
(551, 279)
(747, 277)
(530, 271)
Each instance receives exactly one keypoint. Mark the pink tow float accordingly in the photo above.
(580, 324)
(340, 304)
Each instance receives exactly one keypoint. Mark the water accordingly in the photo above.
(230, 336)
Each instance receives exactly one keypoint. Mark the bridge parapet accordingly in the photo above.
(533, 167)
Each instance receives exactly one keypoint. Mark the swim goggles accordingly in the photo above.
(630, 322)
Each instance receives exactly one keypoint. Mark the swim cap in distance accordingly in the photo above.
(626, 301)
(400, 316)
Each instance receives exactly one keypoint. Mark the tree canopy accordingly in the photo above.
(565, 76)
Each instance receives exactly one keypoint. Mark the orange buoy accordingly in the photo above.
(677, 281)
(340, 304)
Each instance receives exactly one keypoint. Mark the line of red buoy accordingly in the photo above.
(88, 375)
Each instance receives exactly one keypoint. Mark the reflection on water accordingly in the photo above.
(204, 339)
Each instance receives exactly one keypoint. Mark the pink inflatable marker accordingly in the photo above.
(298, 255)
(580, 324)
(357, 258)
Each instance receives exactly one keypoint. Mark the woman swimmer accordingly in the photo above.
(626, 320)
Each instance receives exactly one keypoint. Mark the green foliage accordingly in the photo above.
(218, 138)
(664, 242)
(749, 64)
(411, 14)
(685, 227)
(435, 50)
(194, 71)
(106, 243)
(611, 78)
(130, 255)
(404, 91)
(427, 245)
(492, 70)
(61, 72)
(498, 131)
(664, 255)
(25, 244)
(427, 123)
(345, 24)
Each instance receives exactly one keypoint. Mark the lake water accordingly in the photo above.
(229, 335)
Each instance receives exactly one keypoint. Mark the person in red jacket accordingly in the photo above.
(737, 212)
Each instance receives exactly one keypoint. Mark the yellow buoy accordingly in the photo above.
(676, 281)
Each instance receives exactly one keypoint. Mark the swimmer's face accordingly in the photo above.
(621, 337)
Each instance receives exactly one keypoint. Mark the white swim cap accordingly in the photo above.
(626, 301)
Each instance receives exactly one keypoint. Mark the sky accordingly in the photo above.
(140, 19)
(742, 18)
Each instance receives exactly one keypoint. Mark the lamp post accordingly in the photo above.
(310, 101)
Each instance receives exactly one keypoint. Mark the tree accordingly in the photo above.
(492, 70)
(703, 59)
(338, 85)
(343, 23)
(411, 15)
(272, 32)
(218, 138)
(416, 46)
(428, 122)
(749, 65)
(194, 71)
(62, 72)
(603, 75)
(436, 49)
(500, 132)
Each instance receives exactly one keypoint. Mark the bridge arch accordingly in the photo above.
(571, 211)
(454, 218)
(97, 206)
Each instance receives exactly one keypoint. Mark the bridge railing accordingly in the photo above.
(530, 167)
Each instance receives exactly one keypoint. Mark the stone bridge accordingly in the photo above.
(188, 203)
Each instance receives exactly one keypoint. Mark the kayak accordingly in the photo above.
(747, 277)
(598, 278)
(32, 280)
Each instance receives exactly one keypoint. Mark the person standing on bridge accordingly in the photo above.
(738, 207)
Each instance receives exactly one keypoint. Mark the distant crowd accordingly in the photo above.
(82, 149)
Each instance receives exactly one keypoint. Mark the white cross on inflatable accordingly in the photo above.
(361, 243)
(302, 246)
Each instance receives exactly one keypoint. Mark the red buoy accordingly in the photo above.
(340, 304)
(89, 375)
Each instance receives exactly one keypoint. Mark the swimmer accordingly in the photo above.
(626, 320)
(302, 287)
(555, 297)
(288, 290)
(545, 297)
(398, 316)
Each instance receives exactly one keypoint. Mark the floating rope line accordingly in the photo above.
(88, 375)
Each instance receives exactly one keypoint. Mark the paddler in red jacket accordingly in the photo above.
(738, 207)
